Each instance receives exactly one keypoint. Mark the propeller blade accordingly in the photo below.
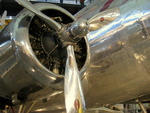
(3, 18)
(74, 98)
(32, 8)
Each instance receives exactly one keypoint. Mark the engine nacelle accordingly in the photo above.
(32, 56)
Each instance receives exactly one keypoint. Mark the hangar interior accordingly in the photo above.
(14, 8)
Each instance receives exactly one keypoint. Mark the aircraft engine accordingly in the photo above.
(33, 57)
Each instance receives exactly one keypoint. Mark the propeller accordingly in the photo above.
(32, 8)
(74, 98)
(3, 18)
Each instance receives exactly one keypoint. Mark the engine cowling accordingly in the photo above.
(33, 57)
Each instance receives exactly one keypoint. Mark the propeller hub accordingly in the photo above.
(74, 32)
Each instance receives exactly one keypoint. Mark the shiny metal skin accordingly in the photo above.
(101, 19)
(119, 68)
(117, 65)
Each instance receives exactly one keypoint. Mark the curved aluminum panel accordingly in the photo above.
(119, 68)
(103, 18)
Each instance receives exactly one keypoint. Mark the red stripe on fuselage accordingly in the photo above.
(106, 5)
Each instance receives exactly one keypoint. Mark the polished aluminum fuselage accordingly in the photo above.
(117, 65)
(119, 55)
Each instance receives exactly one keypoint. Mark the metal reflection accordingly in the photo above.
(139, 58)
(73, 88)
(104, 18)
